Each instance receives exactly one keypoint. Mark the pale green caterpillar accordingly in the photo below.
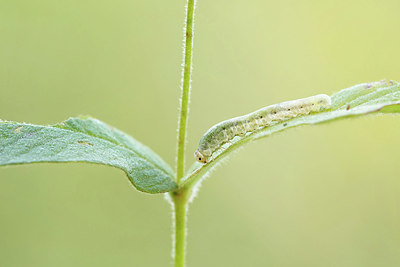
(225, 131)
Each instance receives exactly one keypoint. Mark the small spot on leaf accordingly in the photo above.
(85, 143)
(18, 129)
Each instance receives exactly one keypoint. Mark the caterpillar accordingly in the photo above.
(225, 131)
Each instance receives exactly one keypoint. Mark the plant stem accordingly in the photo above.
(179, 198)
(185, 94)
(180, 209)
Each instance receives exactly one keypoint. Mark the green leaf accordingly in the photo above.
(362, 99)
(85, 140)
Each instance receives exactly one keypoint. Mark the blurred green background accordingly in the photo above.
(327, 195)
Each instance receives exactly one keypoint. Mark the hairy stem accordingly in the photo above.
(180, 209)
(185, 94)
(179, 198)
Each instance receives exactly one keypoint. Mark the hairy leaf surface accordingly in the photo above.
(85, 140)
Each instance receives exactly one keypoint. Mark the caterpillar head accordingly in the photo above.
(200, 157)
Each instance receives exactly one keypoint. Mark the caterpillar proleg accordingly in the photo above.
(225, 131)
